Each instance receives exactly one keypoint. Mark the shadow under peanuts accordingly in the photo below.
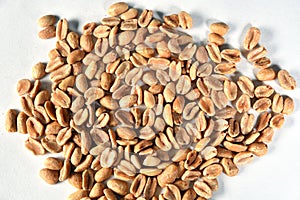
(73, 25)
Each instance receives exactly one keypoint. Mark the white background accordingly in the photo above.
(275, 176)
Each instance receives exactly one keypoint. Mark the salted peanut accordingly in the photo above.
(97, 190)
(234, 147)
(34, 146)
(163, 50)
(174, 46)
(185, 20)
(154, 25)
(75, 56)
(53, 163)
(252, 38)
(103, 174)
(209, 152)
(150, 188)
(145, 18)
(127, 168)
(101, 31)
(243, 103)
(65, 170)
(73, 40)
(225, 68)
(190, 194)
(47, 20)
(207, 105)
(62, 29)
(11, 120)
(230, 90)
(246, 85)
(75, 179)
(234, 127)
(230, 169)
(247, 123)
(38, 71)
(263, 91)
(109, 103)
(87, 179)
(266, 74)
(34, 127)
(262, 104)
(86, 43)
(49, 176)
(50, 144)
(288, 106)
(219, 28)
(286, 81)
(168, 175)
(226, 113)
(172, 20)
(188, 52)
(125, 37)
(231, 55)
(76, 156)
(108, 194)
(117, 9)
(78, 195)
(48, 32)
(85, 164)
(145, 50)
(216, 38)
(193, 160)
(262, 63)
(118, 186)
(21, 123)
(59, 74)
(243, 158)
(108, 157)
(129, 25)
(212, 171)
(201, 55)
(266, 135)
(35, 89)
(191, 175)
(183, 85)
(202, 189)
(263, 121)
(277, 103)
(129, 14)
(224, 153)
(212, 183)
(256, 53)
(23, 86)
(258, 148)
(138, 185)
(214, 52)
(277, 121)
(111, 21)
(60, 98)
(172, 192)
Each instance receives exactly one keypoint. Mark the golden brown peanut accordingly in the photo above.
(229, 167)
(117, 9)
(216, 38)
(258, 148)
(266, 74)
(185, 20)
(47, 20)
(47, 33)
(62, 29)
(172, 20)
(214, 52)
(219, 28)
(11, 120)
(53, 163)
(118, 186)
(252, 38)
(288, 106)
(49, 176)
(38, 71)
(286, 81)
(256, 53)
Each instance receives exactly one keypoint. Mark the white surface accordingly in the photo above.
(275, 176)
